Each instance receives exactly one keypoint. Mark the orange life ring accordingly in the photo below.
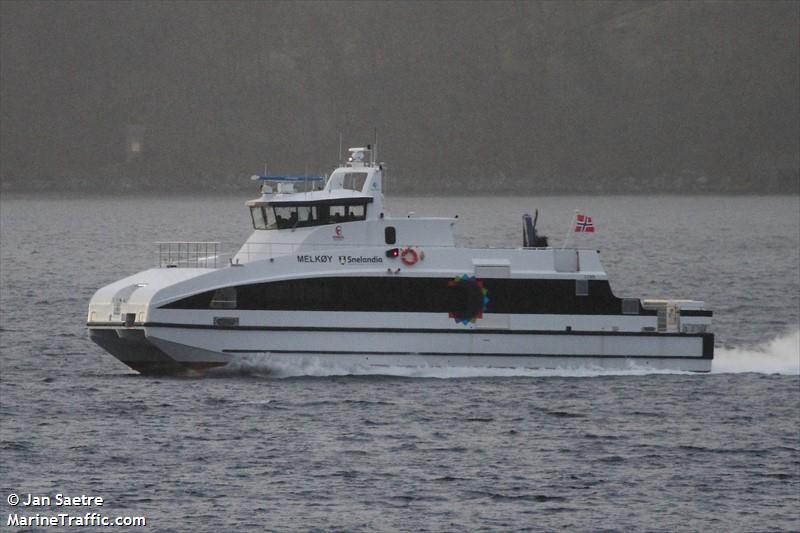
(408, 256)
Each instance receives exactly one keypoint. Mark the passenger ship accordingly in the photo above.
(328, 276)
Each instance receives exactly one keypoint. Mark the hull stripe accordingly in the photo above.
(418, 330)
(455, 354)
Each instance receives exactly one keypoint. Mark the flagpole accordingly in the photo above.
(571, 229)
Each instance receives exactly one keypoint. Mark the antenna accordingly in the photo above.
(340, 148)
(375, 148)
(263, 185)
(571, 229)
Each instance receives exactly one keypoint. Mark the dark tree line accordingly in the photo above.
(522, 96)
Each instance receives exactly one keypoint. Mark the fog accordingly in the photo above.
(513, 97)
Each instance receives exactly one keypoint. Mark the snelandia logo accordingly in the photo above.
(359, 259)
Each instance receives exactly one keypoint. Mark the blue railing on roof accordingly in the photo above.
(288, 178)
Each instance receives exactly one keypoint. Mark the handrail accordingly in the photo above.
(188, 254)
(208, 254)
(251, 251)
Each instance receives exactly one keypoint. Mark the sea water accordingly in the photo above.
(319, 447)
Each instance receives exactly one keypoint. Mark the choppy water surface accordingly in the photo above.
(435, 450)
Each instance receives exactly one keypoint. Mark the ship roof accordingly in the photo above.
(287, 179)
(324, 197)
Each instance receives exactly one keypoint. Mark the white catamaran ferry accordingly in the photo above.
(329, 276)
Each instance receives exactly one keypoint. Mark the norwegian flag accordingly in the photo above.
(583, 223)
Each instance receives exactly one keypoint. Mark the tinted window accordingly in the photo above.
(581, 287)
(421, 295)
(224, 298)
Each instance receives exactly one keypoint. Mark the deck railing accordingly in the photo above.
(188, 254)
(208, 254)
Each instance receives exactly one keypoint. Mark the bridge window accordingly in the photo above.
(304, 215)
(355, 212)
(287, 217)
(354, 181)
(259, 217)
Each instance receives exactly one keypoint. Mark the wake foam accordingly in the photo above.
(321, 367)
(778, 356)
(781, 355)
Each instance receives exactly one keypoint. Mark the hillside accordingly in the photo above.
(536, 96)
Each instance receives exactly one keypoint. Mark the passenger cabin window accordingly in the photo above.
(630, 306)
(224, 298)
(301, 216)
(581, 287)
(354, 181)
(460, 301)
(391, 235)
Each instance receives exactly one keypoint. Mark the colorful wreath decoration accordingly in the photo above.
(476, 299)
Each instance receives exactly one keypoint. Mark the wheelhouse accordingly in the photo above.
(290, 202)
